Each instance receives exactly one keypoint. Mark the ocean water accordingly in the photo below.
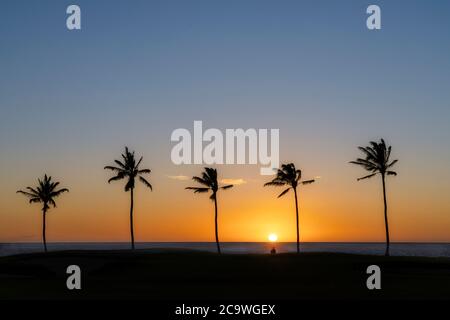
(397, 249)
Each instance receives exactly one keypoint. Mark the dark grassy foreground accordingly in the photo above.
(197, 275)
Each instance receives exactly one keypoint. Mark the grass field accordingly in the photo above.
(171, 275)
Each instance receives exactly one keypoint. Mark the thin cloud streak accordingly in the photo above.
(235, 182)
(179, 177)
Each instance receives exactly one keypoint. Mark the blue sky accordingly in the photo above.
(211, 60)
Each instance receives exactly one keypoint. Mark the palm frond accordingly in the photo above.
(53, 185)
(114, 169)
(376, 159)
(209, 180)
(211, 172)
(120, 176)
(365, 163)
(368, 176)
(284, 192)
(144, 181)
(44, 193)
(275, 183)
(298, 174)
(128, 168)
(136, 167)
(201, 181)
(206, 177)
(58, 192)
(121, 164)
(52, 202)
(31, 195)
(33, 190)
(392, 163)
(198, 189)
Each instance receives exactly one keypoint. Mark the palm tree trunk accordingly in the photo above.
(385, 216)
(44, 214)
(131, 219)
(216, 225)
(296, 215)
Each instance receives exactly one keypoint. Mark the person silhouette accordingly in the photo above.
(273, 251)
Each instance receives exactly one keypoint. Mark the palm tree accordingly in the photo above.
(210, 183)
(377, 162)
(44, 193)
(289, 176)
(128, 169)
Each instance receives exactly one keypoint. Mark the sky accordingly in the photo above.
(70, 101)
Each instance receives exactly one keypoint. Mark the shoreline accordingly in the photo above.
(364, 248)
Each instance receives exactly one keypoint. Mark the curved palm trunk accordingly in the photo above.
(131, 219)
(296, 215)
(215, 221)
(44, 214)
(385, 216)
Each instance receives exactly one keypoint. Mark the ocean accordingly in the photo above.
(397, 249)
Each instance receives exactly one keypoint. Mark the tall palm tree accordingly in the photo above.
(209, 182)
(129, 169)
(377, 161)
(44, 193)
(289, 176)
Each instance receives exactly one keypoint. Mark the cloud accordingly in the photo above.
(236, 182)
(179, 177)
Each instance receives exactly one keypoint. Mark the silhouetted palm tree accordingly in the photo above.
(210, 183)
(44, 193)
(129, 169)
(377, 161)
(289, 176)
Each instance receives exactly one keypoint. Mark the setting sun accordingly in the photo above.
(273, 237)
